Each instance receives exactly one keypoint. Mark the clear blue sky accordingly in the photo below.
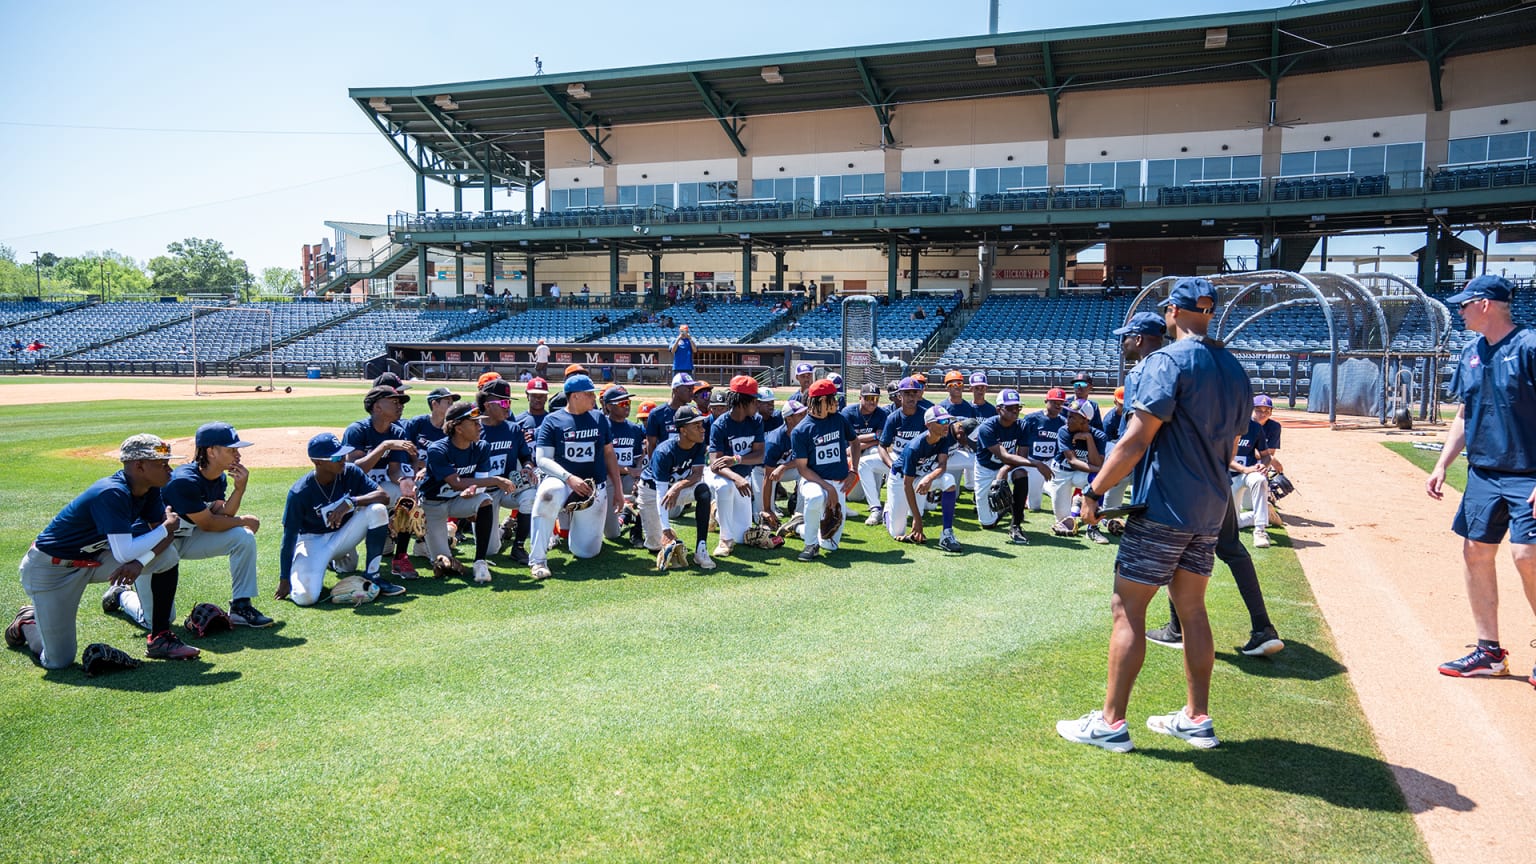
(128, 125)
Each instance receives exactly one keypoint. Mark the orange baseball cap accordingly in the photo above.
(954, 376)
(575, 369)
(486, 379)
(1119, 394)
(645, 409)
(744, 384)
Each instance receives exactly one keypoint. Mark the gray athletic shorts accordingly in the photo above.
(1151, 551)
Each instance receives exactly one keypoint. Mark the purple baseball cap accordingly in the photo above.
(1009, 397)
(937, 414)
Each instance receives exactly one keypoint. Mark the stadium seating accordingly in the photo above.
(357, 339)
(100, 322)
(822, 329)
(552, 325)
(719, 324)
(221, 335)
(12, 311)
(1063, 335)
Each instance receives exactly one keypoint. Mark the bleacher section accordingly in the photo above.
(12, 311)
(358, 339)
(221, 335)
(79, 328)
(1330, 187)
(823, 330)
(1066, 334)
(1483, 177)
(553, 325)
(719, 324)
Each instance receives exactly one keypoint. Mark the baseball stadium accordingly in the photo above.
(772, 481)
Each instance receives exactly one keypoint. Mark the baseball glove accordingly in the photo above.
(99, 658)
(400, 519)
(1000, 494)
(832, 519)
(791, 525)
(577, 503)
(760, 537)
(355, 590)
(673, 554)
(444, 566)
(1114, 526)
(1065, 528)
(206, 619)
(1280, 486)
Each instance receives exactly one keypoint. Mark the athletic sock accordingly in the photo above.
(522, 528)
(1253, 596)
(484, 522)
(1489, 644)
(701, 499)
(948, 501)
(402, 543)
(162, 587)
(1173, 618)
(373, 548)
(1020, 498)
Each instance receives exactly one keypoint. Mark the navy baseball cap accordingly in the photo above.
(444, 393)
(326, 447)
(1485, 287)
(1143, 324)
(218, 435)
(686, 415)
(390, 379)
(615, 395)
(1186, 293)
(578, 384)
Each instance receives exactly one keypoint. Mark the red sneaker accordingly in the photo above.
(166, 646)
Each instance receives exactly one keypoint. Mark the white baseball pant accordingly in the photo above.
(55, 591)
(896, 509)
(306, 579)
(586, 526)
(813, 503)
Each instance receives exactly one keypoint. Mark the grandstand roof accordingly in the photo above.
(365, 230)
(466, 128)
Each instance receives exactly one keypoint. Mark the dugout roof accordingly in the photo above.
(457, 132)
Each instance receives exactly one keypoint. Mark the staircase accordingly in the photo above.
(380, 265)
(929, 352)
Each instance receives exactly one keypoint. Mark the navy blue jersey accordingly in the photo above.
(578, 441)
(444, 459)
(1251, 446)
(672, 463)
(307, 503)
(991, 433)
(628, 439)
(922, 456)
(420, 431)
(1203, 398)
(923, 405)
(531, 424)
(362, 436)
(190, 492)
(509, 450)
(771, 421)
(729, 437)
(106, 507)
(1077, 445)
(776, 449)
(1272, 433)
(1114, 423)
(959, 409)
(824, 445)
(1040, 434)
(1497, 388)
(866, 424)
(659, 425)
(901, 428)
(984, 410)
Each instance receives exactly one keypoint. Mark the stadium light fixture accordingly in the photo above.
(1216, 37)
(986, 56)
(577, 91)
(771, 75)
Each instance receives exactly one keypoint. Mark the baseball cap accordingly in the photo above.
(1119, 394)
(144, 446)
(390, 379)
(682, 379)
(764, 394)
(1055, 394)
(615, 395)
(1082, 378)
(683, 328)
(686, 415)
(978, 379)
(1263, 401)
(870, 389)
(537, 387)
(1186, 293)
(485, 379)
(645, 409)
(744, 384)
(1485, 287)
(500, 389)
(1143, 324)
(702, 385)
(1081, 407)
(575, 369)
(837, 380)
(1009, 397)
(460, 412)
(908, 383)
(718, 397)
(954, 376)
(379, 393)
(327, 447)
(919, 377)
(822, 387)
(577, 384)
(445, 393)
(218, 435)
(937, 414)
(804, 369)
(793, 407)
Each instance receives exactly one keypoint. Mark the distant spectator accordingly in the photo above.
(37, 345)
(682, 351)
(586, 294)
(16, 346)
(919, 314)
(554, 293)
(541, 359)
(525, 377)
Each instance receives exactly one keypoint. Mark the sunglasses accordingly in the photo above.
(1466, 303)
(499, 403)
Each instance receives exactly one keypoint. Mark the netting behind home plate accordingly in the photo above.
(862, 361)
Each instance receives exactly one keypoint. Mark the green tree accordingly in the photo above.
(279, 280)
(108, 273)
(195, 264)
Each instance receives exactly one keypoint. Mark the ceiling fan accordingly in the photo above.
(887, 141)
(1272, 123)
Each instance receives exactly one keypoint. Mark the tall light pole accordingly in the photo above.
(1378, 257)
(37, 266)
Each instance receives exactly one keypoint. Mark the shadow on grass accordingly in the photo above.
(256, 639)
(1299, 661)
(1298, 768)
(844, 558)
(155, 676)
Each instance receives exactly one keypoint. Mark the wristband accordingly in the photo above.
(1093, 496)
(146, 558)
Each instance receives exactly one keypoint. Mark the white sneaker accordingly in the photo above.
(722, 549)
(876, 516)
(539, 571)
(1091, 729)
(703, 560)
(1260, 538)
(482, 572)
(1200, 734)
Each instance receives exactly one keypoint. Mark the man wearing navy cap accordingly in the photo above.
(206, 494)
(575, 456)
(330, 512)
(1495, 379)
(1001, 447)
(804, 374)
(979, 404)
(1191, 402)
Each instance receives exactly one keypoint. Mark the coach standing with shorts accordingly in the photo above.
(1496, 381)
(1191, 402)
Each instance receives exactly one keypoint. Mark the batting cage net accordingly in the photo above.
(862, 361)
(223, 334)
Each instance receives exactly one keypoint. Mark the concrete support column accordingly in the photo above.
(988, 261)
(746, 271)
(613, 272)
(658, 292)
(892, 254)
(458, 248)
(778, 269)
(1264, 260)
(533, 282)
(1058, 269)
(912, 274)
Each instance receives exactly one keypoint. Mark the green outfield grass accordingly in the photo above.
(1455, 473)
(885, 704)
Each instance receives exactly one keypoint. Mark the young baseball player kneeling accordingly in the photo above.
(575, 449)
(458, 473)
(821, 451)
(921, 471)
(672, 479)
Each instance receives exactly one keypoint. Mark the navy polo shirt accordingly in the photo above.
(444, 459)
(106, 507)
(672, 463)
(1497, 387)
(190, 492)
